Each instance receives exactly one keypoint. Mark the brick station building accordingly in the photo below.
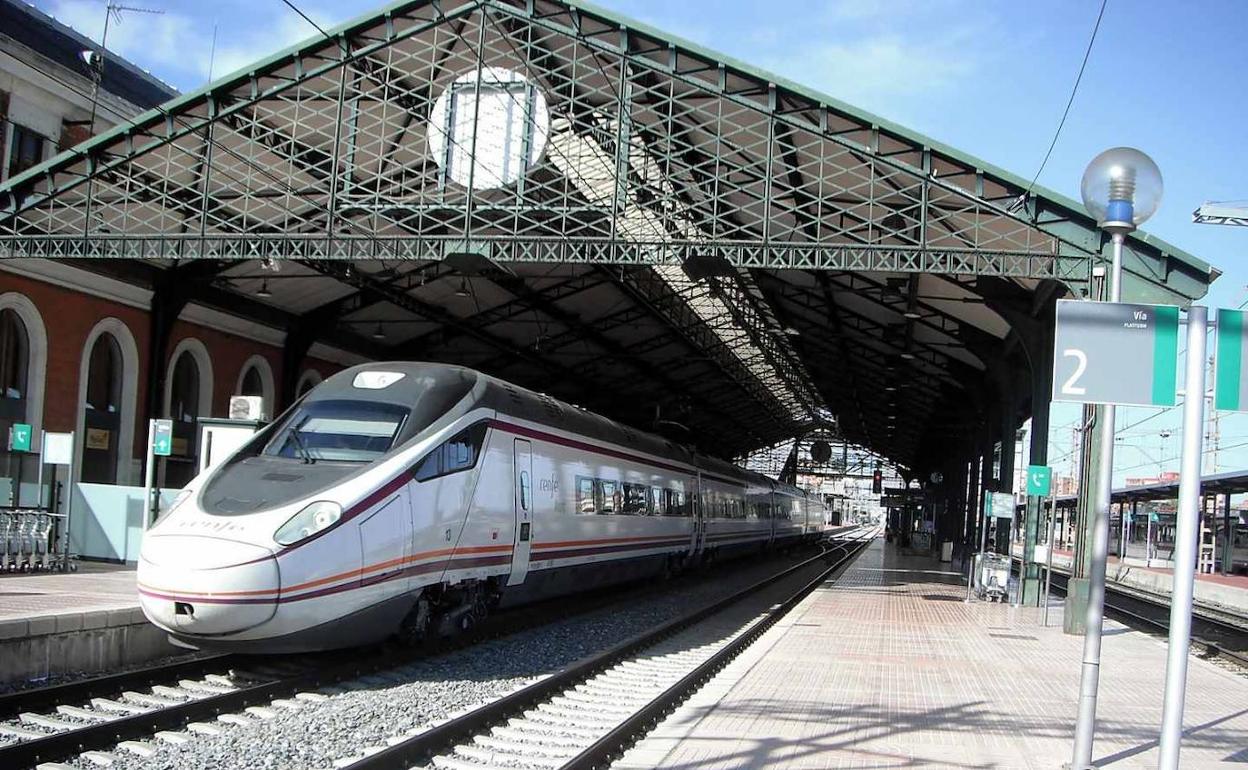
(76, 348)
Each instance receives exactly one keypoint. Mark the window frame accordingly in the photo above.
(418, 470)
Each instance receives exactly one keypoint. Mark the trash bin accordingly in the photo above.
(946, 551)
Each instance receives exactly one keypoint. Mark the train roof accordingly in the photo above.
(530, 405)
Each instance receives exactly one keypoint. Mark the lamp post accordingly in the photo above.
(1121, 188)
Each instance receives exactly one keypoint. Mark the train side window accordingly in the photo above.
(585, 495)
(610, 496)
(430, 466)
(634, 499)
(458, 453)
(676, 503)
(462, 450)
(658, 505)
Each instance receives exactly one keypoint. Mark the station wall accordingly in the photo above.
(62, 313)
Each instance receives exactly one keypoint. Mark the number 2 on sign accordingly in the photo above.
(1069, 387)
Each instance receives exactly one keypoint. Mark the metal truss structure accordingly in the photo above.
(585, 205)
(1234, 213)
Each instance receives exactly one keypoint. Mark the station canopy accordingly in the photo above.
(592, 208)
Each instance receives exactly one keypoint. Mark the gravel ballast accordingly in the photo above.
(371, 710)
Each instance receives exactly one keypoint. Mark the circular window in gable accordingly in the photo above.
(487, 134)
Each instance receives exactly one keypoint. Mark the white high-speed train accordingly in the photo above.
(412, 498)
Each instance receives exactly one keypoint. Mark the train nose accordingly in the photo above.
(206, 586)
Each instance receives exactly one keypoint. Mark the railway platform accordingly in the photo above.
(58, 623)
(1225, 594)
(890, 667)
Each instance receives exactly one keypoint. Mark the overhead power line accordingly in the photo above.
(306, 18)
(1074, 90)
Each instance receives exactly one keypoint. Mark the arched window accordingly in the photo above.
(102, 411)
(184, 404)
(23, 364)
(307, 381)
(184, 398)
(252, 384)
(14, 357)
(104, 375)
(14, 386)
(255, 378)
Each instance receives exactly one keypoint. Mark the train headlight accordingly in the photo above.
(306, 523)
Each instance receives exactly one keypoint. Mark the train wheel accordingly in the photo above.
(414, 630)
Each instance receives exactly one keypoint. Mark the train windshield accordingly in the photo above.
(338, 431)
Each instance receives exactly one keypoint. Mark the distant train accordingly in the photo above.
(412, 498)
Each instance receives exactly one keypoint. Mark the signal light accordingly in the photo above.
(877, 481)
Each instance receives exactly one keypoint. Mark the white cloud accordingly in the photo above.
(875, 66)
(179, 47)
(883, 55)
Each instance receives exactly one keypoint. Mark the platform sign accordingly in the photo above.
(1115, 353)
(1230, 386)
(1039, 480)
(162, 437)
(19, 437)
(58, 448)
(1001, 505)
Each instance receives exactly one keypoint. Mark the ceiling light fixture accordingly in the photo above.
(264, 292)
(379, 333)
(462, 291)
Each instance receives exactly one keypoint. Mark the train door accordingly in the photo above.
(694, 495)
(523, 493)
(771, 517)
(385, 539)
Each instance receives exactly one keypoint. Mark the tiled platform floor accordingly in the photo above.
(93, 587)
(889, 668)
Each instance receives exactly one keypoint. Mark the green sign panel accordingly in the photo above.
(1115, 353)
(1229, 381)
(162, 438)
(19, 437)
(999, 504)
(1039, 480)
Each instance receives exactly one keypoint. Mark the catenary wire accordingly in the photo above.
(1074, 90)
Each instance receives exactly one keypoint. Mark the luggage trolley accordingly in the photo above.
(31, 541)
(992, 577)
(8, 531)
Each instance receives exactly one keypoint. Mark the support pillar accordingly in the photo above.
(971, 541)
(1032, 586)
(169, 298)
(1228, 536)
(1005, 474)
(1076, 606)
(294, 350)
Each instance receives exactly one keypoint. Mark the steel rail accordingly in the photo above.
(107, 734)
(422, 747)
(18, 701)
(311, 673)
(616, 742)
(1212, 649)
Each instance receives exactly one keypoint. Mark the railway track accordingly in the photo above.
(589, 712)
(136, 712)
(1213, 636)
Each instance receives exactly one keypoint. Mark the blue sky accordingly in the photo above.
(990, 78)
